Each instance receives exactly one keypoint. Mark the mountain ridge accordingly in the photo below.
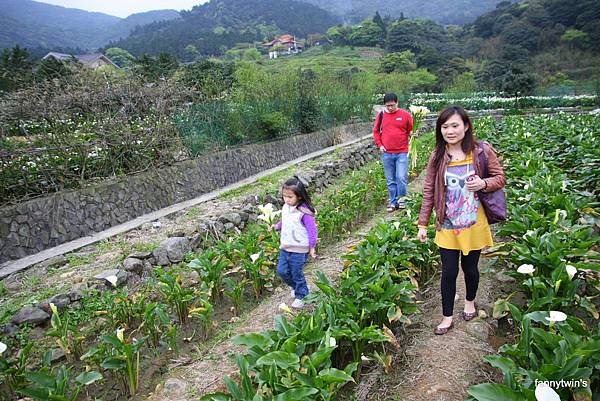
(30, 23)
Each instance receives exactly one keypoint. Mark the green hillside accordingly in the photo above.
(215, 26)
(457, 12)
(34, 24)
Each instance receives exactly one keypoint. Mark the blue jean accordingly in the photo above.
(395, 166)
(289, 268)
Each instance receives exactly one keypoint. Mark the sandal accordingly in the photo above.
(401, 205)
(390, 208)
(440, 331)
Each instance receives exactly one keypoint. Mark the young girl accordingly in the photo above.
(298, 238)
(451, 185)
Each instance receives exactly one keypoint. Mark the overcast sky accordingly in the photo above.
(123, 8)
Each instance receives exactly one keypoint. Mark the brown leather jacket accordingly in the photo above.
(434, 189)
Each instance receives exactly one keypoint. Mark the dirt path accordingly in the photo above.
(440, 368)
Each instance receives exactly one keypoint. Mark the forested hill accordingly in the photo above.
(219, 24)
(34, 24)
(457, 12)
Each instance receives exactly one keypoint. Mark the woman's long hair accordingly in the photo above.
(295, 185)
(468, 143)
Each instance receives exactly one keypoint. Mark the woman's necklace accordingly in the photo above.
(457, 155)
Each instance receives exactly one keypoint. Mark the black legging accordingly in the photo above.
(450, 273)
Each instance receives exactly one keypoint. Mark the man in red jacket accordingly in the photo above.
(392, 128)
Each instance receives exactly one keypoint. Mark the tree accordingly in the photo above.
(515, 54)
(52, 68)
(339, 34)
(400, 62)
(308, 105)
(210, 77)
(520, 33)
(155, 68)
(574, 37)
(379, 21)
(15, 68)
(251, 54)
(367, 33)
(430, 58)
(417, 35)
(120, 57)
(453, 68)
(503, 76)
(463, 83)
(518, 82)
(191, 52)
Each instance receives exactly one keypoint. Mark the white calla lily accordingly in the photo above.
(332, 342)
(556, 316)
(268, 213)
(543, 392)
(571, 271)
(254, 257)
(3, 348)
(120, 335)
(418, 110)
(526, 269)
(53, 308)
(396, 225)
(283, 307)
(112, 279)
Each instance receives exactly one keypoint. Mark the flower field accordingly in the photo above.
(549, 244)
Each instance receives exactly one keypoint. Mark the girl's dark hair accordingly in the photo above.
(468, 143)
(295, 184)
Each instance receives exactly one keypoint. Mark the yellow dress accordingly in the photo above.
(465, 225)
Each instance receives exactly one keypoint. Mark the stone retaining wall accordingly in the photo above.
(46, 222)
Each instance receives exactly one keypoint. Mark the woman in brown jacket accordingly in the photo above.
(451, 185)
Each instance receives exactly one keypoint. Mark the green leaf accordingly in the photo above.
(43, 379)
(284, 360)
(35, 393)
(114, 363)
(494, 392)
(296, 394)
(233, 388)
(501, 309)
(112, 340)
(320, 356)
(253, 339)
(216, 397)
(88, 378)
(334, 375)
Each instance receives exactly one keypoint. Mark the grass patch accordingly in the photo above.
(80, 260)
(191, 214)
(336, 58)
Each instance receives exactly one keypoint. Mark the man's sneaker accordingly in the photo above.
(293, 294)
(298, 304)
